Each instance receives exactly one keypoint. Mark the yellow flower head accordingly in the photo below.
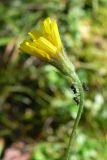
(45, 44)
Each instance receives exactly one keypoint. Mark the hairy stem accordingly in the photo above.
(81, 96)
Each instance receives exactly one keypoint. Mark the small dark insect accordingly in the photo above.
(73, 89)
(85, 86)
(77, 100)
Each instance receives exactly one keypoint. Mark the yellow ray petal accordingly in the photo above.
(28, 47)
(42, 54)
(46, 25)
(55, 34)
(46, 45)
(35, 34)
(24, 47)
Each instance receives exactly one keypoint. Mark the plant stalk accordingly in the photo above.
(81, 96)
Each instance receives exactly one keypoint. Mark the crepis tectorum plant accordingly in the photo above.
(46, 45)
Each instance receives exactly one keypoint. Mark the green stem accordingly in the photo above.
(81, 96)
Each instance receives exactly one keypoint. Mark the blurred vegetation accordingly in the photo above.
(36, 103)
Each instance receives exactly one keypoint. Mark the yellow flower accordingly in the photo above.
(47, 46)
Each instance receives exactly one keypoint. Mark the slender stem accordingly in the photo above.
(79, 85)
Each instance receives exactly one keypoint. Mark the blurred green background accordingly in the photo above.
(36, 105)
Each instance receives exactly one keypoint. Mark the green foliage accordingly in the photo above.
(35, 99)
